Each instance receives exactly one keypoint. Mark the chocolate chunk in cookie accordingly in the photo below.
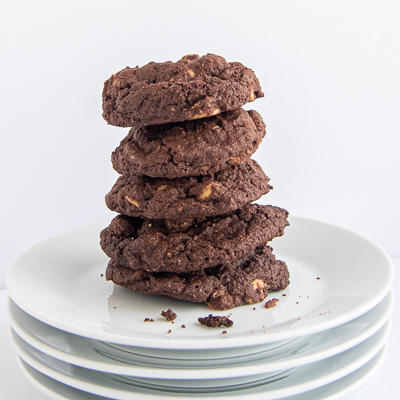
(209, 195)
(227, 239)
(190, 148)
(193, 87)
(220, 287)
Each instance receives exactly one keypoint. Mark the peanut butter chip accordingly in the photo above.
(206, 192)
(258, 284)
(163, 187)
(132, 201)
(252, 95)
(216, 111)
(201, 115)
(191, 73)
(237, 160)
(115, 81)
(218, 293)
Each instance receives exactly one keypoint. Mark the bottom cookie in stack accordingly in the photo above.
(223, 261)
(221, 287)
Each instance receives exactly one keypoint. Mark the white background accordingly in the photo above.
(329, 70)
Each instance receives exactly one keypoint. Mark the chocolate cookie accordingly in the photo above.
(194, 87)
(220, 287)
(190, 148)
(209, 195)
(151, 245)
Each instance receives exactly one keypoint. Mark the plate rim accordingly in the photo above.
(220, 372)
(296, 388)
(353, 385)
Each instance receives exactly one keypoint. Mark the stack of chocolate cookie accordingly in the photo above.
(187, 228)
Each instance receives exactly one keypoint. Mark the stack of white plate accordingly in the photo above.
(80, 337)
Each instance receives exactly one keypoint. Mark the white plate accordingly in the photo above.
(58, 391)
(296, 381)
(61, 344)
(103, 357)
(59, 282)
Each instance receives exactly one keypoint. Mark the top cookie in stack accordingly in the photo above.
(194, 87)
(187, 228)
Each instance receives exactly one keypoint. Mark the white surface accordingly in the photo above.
(295, 381)
(166, 364)
(383, 384)
(328, 288)
(329, 70)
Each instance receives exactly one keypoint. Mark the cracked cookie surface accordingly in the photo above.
(153, 245)
(220, 287)
(192, 197)
(193, 87)
(190, 148)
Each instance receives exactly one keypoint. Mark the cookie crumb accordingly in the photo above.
(318, 277)
(183, 326)
(271, 303)
(169, 315)
(224, 332)
(297, 302)
(169, 331)
(148, 320)
(284, 295)
(254, 308)
(101, 275)
(215, 321)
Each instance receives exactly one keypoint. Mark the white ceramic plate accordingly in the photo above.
(104, 357)
(61, 344)
(296, 381)
(59, 282)
(58, 391)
